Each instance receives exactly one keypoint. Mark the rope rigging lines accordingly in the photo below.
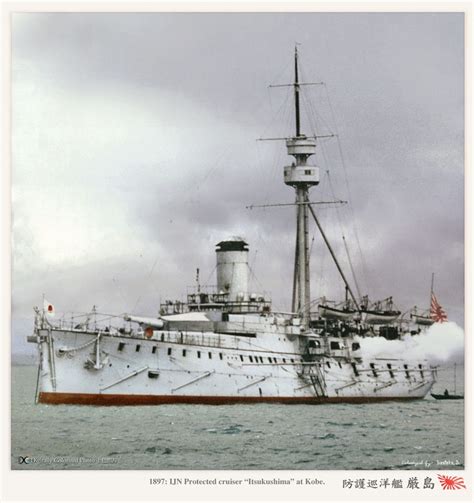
(313, 118)
(349, 194)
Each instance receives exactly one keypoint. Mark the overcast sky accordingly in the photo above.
(134, 152)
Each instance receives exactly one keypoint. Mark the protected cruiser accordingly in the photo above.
(226, 345)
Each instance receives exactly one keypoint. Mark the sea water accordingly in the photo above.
(422, 434)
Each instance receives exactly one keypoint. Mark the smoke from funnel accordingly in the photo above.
(441, 343)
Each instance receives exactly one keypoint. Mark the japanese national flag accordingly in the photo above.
(48, 308)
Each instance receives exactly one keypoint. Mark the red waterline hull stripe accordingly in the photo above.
(109, 399)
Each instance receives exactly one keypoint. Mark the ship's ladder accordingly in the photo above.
(313, 374)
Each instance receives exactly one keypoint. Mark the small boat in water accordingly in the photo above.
(447, 395)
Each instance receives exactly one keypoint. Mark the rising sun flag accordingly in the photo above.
(437, 313)
(451, 482)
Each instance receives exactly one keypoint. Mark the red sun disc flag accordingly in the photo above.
(437, 312)
(48, 308)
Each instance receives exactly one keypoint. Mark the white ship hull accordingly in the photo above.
(78, 367)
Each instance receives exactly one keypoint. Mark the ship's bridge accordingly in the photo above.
(232, 293)
(211, 299)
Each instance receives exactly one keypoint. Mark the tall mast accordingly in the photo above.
(297, 94)
(301, 176)
(432, 288)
